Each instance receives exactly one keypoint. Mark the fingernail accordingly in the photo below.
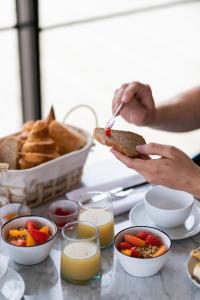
(141, 148)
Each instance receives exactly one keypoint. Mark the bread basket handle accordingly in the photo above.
(82, 106)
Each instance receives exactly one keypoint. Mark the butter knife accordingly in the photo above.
(121, 192)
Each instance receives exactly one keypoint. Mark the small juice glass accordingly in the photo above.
(80, 257)
(63, 211)
(96, 207)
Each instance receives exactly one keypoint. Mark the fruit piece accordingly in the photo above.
(196, 272)
(45, 230)
(135, 241)
(38, 236)
(31, 225)
(124, 245)
(152, 240)
(126, 251)
(142, 235)
(162, 249)
(196, 253)
(134, 252)
(16, 233)
(18, 243)
(29, 240)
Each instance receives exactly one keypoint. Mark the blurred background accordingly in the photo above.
(68, 53)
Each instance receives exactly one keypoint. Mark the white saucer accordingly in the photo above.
(3, 265)
(138, 217)
(12, 286)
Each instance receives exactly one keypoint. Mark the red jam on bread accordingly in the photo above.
(142, 245)
(108, 131)
(30, 235)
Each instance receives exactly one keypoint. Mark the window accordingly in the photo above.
(90, 48)
(11, 118)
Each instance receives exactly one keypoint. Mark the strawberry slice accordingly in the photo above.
(19, 242)
(152, 240)
(124, 245)
(38, 236)
(142, 235)
(134, 252)
(31, 225)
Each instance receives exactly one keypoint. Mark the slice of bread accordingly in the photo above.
(122, 141)
(9, 150)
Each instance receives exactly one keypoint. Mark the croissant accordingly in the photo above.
(67, 139)
(26, 129)
(38, 148)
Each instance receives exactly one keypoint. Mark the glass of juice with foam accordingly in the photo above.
(80, 257)
(96, 207)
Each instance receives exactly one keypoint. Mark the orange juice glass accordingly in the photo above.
(80, 257)
(96, 207)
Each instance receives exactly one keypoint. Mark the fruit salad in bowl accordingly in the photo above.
(142, 251)
(28, 239)
(29, 235)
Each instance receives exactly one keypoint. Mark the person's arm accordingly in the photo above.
(182, 113)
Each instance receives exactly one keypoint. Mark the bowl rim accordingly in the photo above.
(163, 209)
(27, 247)
(25, 206)
(143, 227)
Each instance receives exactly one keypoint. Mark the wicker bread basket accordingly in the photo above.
(42, 183)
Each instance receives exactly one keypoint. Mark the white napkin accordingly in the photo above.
(119, 206)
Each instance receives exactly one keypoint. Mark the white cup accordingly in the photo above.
(166, 207)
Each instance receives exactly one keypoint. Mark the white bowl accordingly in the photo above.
(13, 208)
(140, 267)
(166, 207)
(28, 255)
(192, 261)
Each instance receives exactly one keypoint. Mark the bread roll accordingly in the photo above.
(23, 164)
(122, 141)
(38, 148)
(51, 116)
(39, 130)
(38, 158)
(28, 126)
(67, 139)
(46, 145)
(26, 129)
(9, 152)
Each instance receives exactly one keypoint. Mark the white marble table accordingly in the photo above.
(43, 281)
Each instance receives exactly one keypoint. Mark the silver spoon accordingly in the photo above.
(111, 121)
